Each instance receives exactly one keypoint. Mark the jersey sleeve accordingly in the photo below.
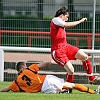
(34, 67)
(58, 21)
(14, 87)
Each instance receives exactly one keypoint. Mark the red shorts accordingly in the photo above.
(63, 55)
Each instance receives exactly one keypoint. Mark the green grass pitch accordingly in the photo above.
(76, 95)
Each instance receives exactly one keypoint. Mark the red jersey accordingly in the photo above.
(61, 51)
(58, 33)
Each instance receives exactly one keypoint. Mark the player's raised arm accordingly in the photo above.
(72, 24)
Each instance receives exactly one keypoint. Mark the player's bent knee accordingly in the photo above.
(81, 55)
(86, 57)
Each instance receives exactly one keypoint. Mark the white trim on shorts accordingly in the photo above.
(52, 84)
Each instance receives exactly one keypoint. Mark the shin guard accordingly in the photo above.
(70, 77)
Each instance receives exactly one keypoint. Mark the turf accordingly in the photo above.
(76, 95)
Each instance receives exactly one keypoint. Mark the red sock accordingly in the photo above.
(70, 77)
(88, 67)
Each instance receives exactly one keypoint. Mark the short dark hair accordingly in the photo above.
(19, 65)
(62, 10)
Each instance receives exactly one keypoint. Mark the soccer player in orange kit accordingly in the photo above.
(28, 80)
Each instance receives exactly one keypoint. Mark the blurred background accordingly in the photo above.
(26, 23)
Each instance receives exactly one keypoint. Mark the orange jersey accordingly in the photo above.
(28, 81)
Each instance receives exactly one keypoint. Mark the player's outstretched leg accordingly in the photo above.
(83, 88)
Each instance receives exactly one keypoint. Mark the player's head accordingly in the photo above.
(62, 13)
(20, 66)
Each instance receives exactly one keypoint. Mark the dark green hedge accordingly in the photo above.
(25, 23)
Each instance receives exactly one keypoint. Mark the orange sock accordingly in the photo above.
(83, 88)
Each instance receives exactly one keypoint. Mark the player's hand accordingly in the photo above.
(83, 19)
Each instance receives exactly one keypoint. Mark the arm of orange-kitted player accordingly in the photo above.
(44, 64)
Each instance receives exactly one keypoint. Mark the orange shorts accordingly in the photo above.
(63, 55)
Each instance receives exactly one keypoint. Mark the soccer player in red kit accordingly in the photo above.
(61, 51)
